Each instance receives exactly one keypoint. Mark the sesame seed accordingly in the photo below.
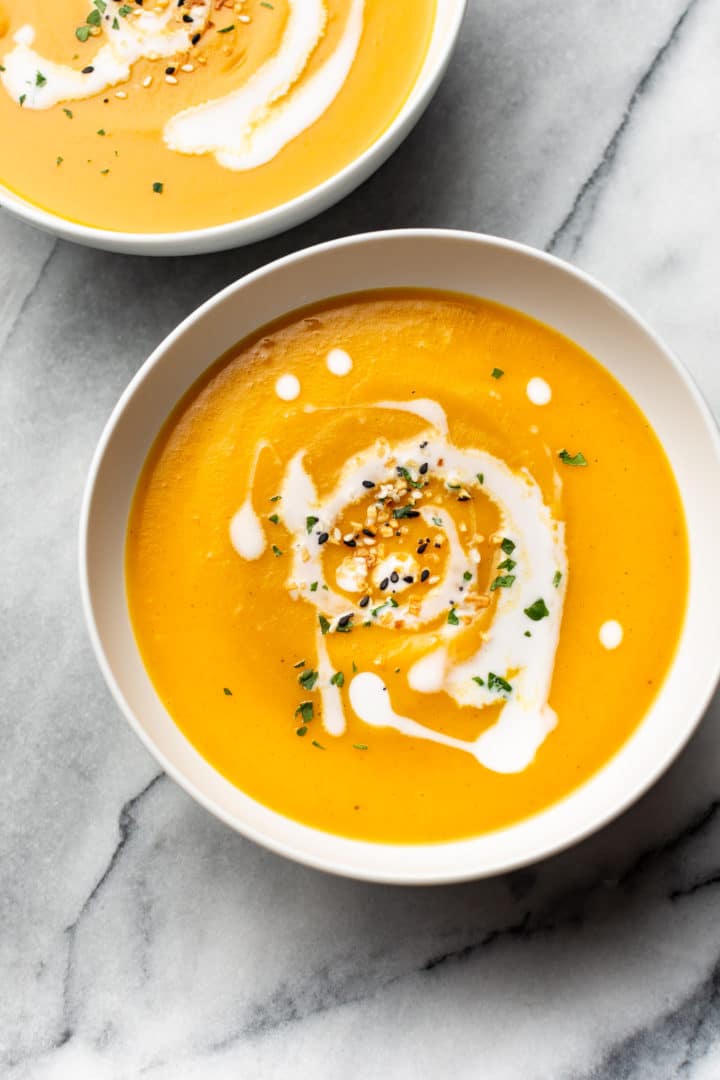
(323, 538)
(368, 484)
(171, 80)
(365, 601)
(147, 81)
(425, 575)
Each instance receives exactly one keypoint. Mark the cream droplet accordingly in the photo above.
(611, 634)
(287, 387)
(538, 391)
(339, 362)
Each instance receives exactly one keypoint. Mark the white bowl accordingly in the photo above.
(446, 27)
(512, 274)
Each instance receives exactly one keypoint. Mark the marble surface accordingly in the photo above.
(140, 937)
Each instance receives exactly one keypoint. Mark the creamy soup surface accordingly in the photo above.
(407, 566)
(152, 115)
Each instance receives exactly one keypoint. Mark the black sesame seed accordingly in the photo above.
(423, 548)
(344, 620)
(384, 583)
(195, 38)
(394, 577)
(368, 484)
(368, 532)
(365, 601)
(463, 498)
(409, 579)
(170, 70)
(323, 538)
(188, 18)
(425, 575)
(423, 445)
(423, 468)
(88, 70)
(349, 543)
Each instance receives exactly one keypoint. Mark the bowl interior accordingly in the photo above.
(510, 274)
(448, 20)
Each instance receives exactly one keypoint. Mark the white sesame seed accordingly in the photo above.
(171, 79)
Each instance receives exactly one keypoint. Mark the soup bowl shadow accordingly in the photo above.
(508, 273)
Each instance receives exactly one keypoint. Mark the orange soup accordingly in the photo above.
(159, 115)
(399, 565)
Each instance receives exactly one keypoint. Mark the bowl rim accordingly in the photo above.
(575, 832)
(286, 215)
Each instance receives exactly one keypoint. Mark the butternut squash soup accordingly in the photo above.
(164, 115)
(407, 566)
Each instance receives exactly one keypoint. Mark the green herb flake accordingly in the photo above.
(226, 692)
(537, 611)
(566, 459)
(324, 624)
(406, 512)
(40, 79)
(359, 746)
(59, 160)
(467, 576)
(480, 477)
(93, 18)
(354, 667)
(497, 373)
(345, 628)
(318, 745)
(310, 522)
(308, 679)
(2, 67)
(158, 187)
(68, 113)
(495, 682)
(82, 33)
(338, 679)
(124, 11)
(102, 131)
(557, 578)
(302, 731)
(507, 546)
(104, 172)
(264, 3)
(276, 551)
(402, 471)
(306, 711)
(528, 634)
(437, 521)
(115, 24)
(226, 29)
(452, 617)
(300, 663)
(507, 564)
(22, 98)
(274, 518)
(275, 498)
(502, 581)
(313, 586)
(478, 680)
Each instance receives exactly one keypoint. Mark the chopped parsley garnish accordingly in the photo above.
(401, 471)
(306, 711)
(481, 477)
(275, 498)
(318, 745)
(68, 113)
(93, 18)
(528, 634)
(467, 576)
(226, 29)
(300, 663)
(507, 546)
(496, 682)
(313, 586)
(452, 617)
(82, 33)
(58, 160)
(101, 131)
(359, 746)
(438, 521)
(566, 459)
(309, 522)
(302, 731)
(537, 611)
(354, 667)
(115, 24)
(507, 564)
(40, 79)
(124, 11)
(158, 187)
(338, 679)
(502, 581)
(324, 624)
(454, 487)
(21, 99)
(405, 512)
(276, 551)
(497, 373)
(228, 693)
(557, 578)
(308, 679)
(274, 518)
(264, 3)
(478, 680)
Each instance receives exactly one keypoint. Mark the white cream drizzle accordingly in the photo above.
(242, 129)
(339, 362)
(538, 391)
(246, 532)
(611, 634)
(287, 387)
(514, 647)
